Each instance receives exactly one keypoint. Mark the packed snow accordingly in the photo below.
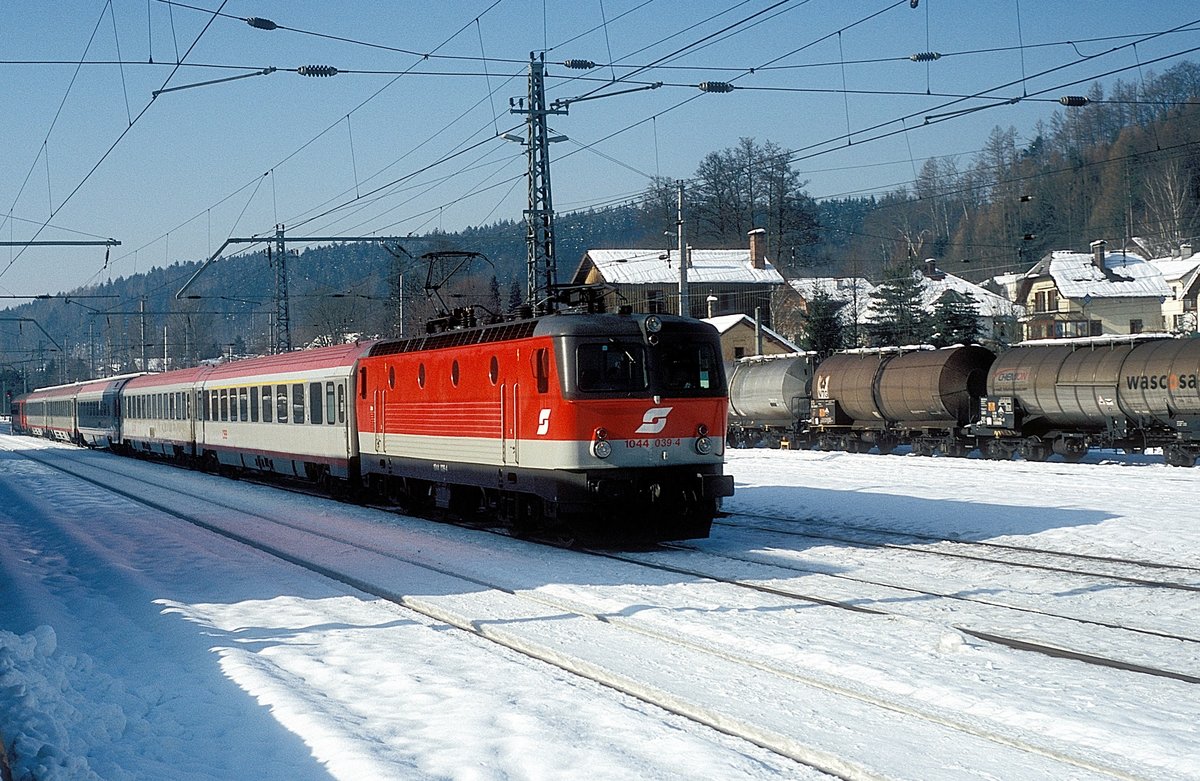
(134, 645)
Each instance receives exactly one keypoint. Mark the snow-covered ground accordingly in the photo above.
(134, 645)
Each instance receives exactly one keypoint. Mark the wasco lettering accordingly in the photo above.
(654, 421)
(543, 422)
(1162, 382)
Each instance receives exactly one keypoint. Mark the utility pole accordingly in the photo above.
(684, 304)
(541, 264)
(142, 312)
(282, 342)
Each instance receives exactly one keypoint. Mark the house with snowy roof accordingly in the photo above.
(720, 281)
(998, 315)
(1182, 275)
(1071, 294)
(741, 337)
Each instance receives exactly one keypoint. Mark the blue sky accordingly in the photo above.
(233, 159)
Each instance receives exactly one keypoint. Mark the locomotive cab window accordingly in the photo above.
(611, 367)
(688, 368)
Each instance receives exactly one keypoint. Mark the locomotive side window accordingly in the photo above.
(421, 375)
(541, 369)
(281, 403)
(298, 402)
(362, 382)
(314, 402)
(391, 377)
(611, 366)
(454, 374)
(494, 370)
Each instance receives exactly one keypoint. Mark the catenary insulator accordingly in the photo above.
(580, 65)
(317, 71)
(261, 24)
(925, 56)
(716, 86)
(1073, 100)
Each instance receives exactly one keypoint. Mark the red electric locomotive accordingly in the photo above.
(587, 425)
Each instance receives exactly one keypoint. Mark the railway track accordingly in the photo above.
(563, 631)
(1135, 571)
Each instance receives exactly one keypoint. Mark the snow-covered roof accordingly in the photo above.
(725, 322)
(987, 303)
(1128, 276)
(649, 266)
(844, 289)
(1175, 269)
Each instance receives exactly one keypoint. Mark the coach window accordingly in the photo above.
(244, 403)
(224, 397)
(330, 404)
(171, 406)
(254, 404)
(391, 377)
(298, 402)
(233, 405)
(212, 395)
(314, 402)
(341, 402)
(281, 403)
(266, 404)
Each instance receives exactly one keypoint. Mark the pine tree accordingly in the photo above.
(898, 317)
(824, 332)
(955, 319)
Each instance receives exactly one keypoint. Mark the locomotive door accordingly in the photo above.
(377, 419)
(509, 429)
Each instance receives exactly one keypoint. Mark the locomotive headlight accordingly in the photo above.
(653, 324)
(601, 447)
(702, 430)
(704, 445)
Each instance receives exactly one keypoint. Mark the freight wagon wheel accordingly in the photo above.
(1033, 449)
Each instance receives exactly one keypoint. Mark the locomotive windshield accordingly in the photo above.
(611, 366)
(689, 368)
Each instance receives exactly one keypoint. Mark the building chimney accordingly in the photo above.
(758, 248)
(1185, 249)
(1098, 253)
(931, 268)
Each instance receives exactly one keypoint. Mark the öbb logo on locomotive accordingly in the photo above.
(654, 421)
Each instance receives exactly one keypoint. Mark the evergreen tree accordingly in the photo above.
(824, 332)
(898, 317)
(955, 319)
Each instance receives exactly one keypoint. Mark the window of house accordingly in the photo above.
(1096, 328)
(1135, 326)
(654, 301)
